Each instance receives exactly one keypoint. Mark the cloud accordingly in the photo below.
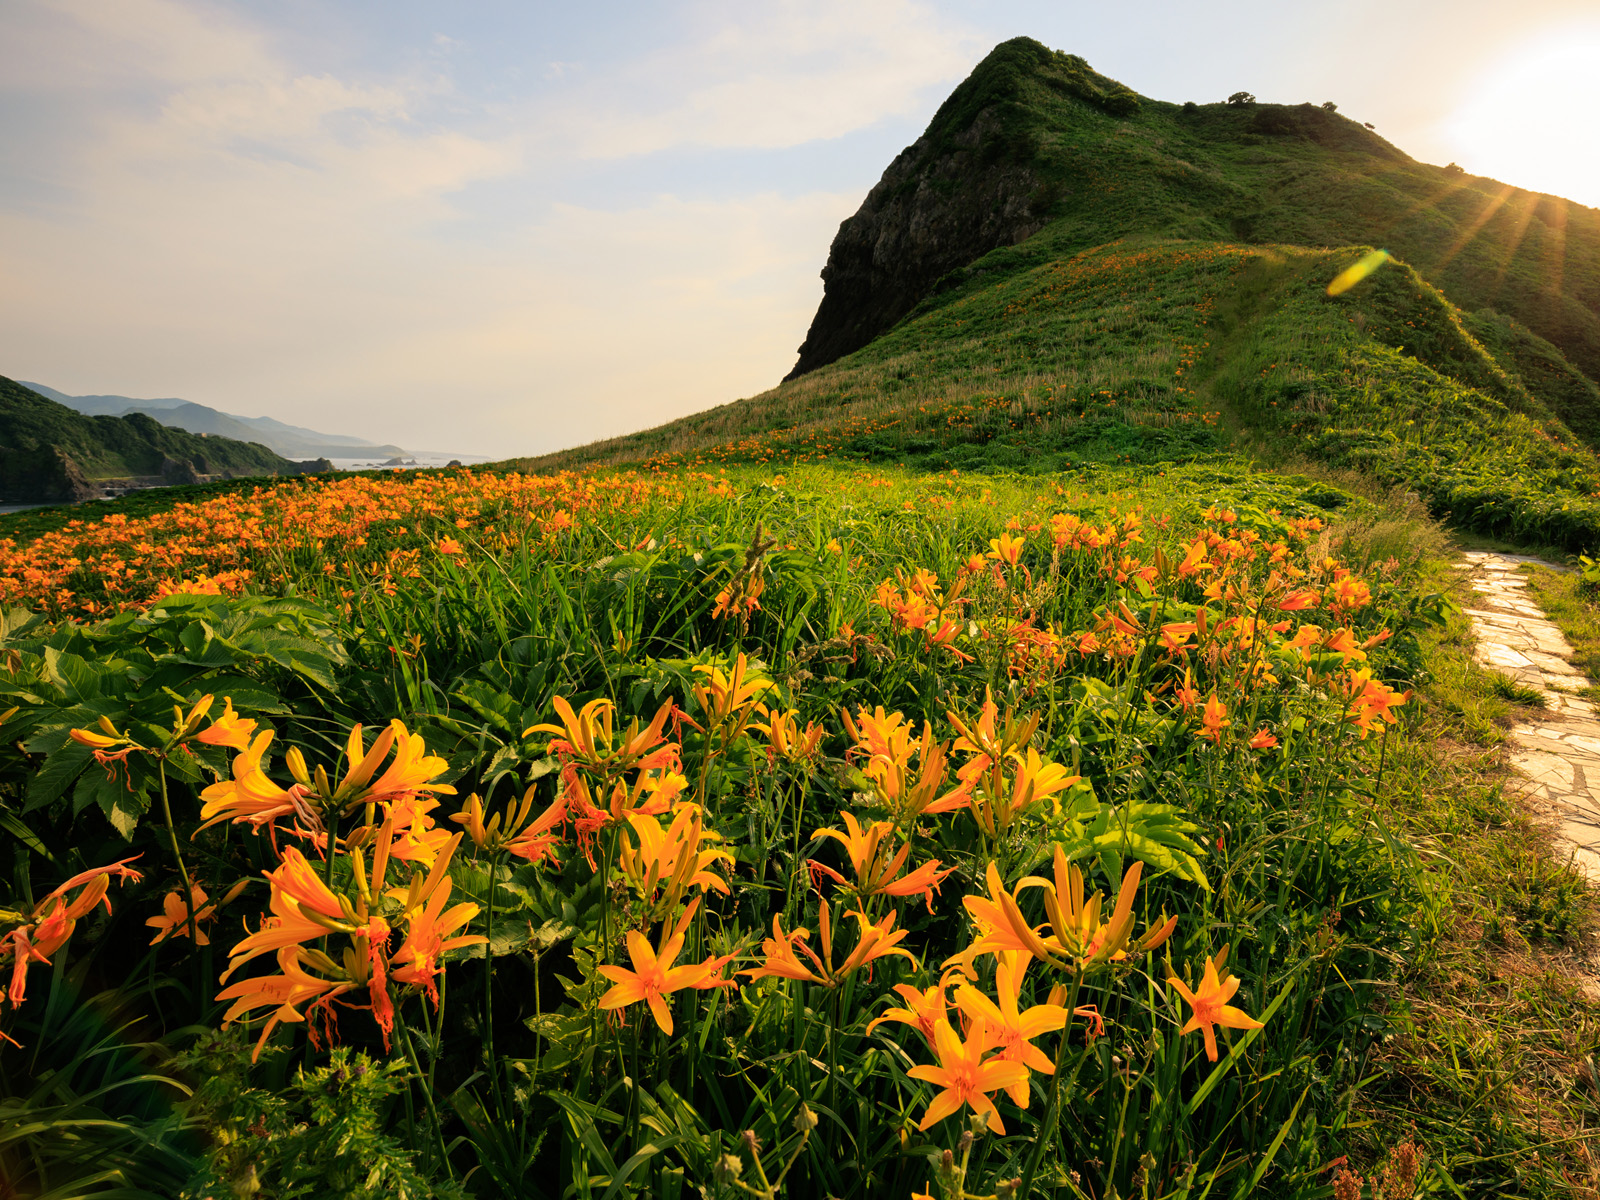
(227, 225)
(770, 77)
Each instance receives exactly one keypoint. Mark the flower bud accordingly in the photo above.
(196, 715)
(297, 766)
(727, 1170)
(805, 1120)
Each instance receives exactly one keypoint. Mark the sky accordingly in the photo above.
(504, 227)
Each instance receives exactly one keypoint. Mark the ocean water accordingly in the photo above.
(423, 458)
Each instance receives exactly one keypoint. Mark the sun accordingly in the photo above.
(1532, 120)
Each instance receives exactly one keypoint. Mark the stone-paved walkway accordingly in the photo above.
(1559, 751)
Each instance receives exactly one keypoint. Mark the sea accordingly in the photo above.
(411, 462)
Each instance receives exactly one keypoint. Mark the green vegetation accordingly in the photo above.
(48, 452)
(1103, 561)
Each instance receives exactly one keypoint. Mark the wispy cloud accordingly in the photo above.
(779, 76)
(234, 228)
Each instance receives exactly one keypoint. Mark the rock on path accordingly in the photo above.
(1559, 751)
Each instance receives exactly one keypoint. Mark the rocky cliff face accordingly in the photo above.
(965, 187)
(923, 220)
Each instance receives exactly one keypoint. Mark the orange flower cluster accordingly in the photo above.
(218, 545)
(42, 930)
(305, 910)
(918, 603)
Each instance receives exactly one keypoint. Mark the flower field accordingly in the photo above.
(845, 833)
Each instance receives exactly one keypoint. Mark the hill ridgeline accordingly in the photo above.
(1061, 272)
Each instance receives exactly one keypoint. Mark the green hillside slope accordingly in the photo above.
(1061, 273)
(1164, 352)
(1036, 147)
(49, 452)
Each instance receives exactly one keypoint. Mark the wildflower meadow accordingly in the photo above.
(838, 833)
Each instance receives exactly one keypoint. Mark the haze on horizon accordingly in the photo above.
(508, 228)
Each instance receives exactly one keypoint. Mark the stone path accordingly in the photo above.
(1559, 751)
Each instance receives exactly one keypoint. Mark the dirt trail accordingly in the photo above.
(1236, 311)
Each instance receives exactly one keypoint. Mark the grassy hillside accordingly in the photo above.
(49, 452)
(1021, 595)
(1155, 353)
(1078, 161)
(1061, 273)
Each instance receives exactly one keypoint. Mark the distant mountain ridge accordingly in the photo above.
(50, 452)
(291, 441)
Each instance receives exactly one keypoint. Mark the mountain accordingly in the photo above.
(1062, 273)
(289, 440)
(49, 452)
(1036, 141)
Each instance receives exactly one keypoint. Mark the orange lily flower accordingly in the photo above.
(1348, 594)
(284, 993)
(1210, 1005)
(1006, 549)
(1214, 719)
(910, 792)
(876, 940)
(1001, 926)
(228, 730)
(303, 909)
(1299, 601)
(174, 921)
(784, 736)
(251, 798)
(781, 960)
(588, 739)
(1077, 924)
(925, 1008)
(416, 837)
(1343, 643)
(729, 699)
(874, 875)
(1010, 1029)
(966, 1076)
(1175, 636)
(1371, 704)
(47, 928)
(428, 939)
(996, 808)
(97, 741)
(506, 830)
(670, 859)
(408, 774)
(654, 977)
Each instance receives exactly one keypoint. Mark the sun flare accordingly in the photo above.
(1531, 120)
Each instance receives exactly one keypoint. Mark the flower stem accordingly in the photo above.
(1049, 1123)
(172, 836)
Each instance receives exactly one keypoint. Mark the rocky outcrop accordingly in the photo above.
(42, 476)
(965, 187)
(921, 222)
(179, 470)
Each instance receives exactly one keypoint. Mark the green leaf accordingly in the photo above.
(56, 776)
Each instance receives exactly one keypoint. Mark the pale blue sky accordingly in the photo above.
(499, 228)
